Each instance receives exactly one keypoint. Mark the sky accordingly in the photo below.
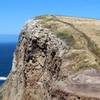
(14, 13)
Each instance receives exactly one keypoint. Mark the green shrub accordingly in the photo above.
(45, 18)
(94, 48)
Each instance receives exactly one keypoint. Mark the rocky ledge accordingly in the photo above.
(56, 58)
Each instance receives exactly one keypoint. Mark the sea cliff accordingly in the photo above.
(56, 58)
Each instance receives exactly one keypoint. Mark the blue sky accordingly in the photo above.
(13, 13)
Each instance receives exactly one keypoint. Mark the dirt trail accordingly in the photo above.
(89, 42)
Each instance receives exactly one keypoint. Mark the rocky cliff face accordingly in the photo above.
(56, 58)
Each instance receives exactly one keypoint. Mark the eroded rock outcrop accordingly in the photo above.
(56, 58)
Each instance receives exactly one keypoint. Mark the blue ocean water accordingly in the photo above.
(6, 56)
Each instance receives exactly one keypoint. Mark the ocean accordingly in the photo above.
(6, 56)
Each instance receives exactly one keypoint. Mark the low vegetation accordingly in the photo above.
(75, 40)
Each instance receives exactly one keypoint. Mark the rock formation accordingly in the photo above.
(56, 58)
